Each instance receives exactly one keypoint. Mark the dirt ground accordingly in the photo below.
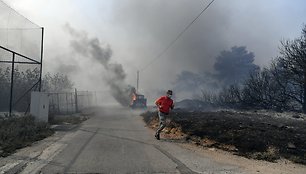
(252, 135)
(250, 166)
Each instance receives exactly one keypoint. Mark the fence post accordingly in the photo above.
(41, 57)
(76, 100)
(58, 104)
(88, 99)
(12, 84)
(67, 103)
(96, 98)
(71, 102)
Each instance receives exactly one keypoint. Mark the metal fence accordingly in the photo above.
(21, 54)
(71, 102)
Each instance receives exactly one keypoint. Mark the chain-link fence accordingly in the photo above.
(21, 50)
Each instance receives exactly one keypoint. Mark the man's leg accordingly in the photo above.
(162, 124)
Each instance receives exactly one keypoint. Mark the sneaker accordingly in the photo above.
(157, 136)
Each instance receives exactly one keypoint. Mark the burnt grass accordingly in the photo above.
(19, 132)
(254, 136)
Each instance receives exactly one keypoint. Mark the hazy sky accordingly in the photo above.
(138, 30)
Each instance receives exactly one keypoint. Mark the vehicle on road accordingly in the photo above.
(138, 101)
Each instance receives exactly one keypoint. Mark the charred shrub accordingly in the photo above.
(251, 135)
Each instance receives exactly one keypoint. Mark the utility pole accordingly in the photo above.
(76, 100)
(137, 86)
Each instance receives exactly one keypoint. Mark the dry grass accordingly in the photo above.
(251, 135)
(18, 132)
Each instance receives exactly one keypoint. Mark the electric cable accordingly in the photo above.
(178, 36)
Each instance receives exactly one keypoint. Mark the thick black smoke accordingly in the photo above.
(92, 48)
(235, 66)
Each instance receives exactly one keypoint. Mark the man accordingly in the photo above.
(164, 104)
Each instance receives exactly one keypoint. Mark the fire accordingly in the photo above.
(134, 97)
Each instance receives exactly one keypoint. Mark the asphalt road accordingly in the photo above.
(116, 141)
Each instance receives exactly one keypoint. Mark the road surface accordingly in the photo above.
(115, 140)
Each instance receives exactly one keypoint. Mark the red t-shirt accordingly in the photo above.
(164, 103)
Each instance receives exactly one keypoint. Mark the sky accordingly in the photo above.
(136, 31)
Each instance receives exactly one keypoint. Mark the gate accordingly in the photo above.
(71, 102)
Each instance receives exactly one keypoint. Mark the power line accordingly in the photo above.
(179, 35)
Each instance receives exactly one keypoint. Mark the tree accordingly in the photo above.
(56, 83)
(293, 62)
(281, 87)
(24, 80)
(190, 84)
(4, 88)
(230, 96)
(235, 66)
(262, 90)
(267, 89)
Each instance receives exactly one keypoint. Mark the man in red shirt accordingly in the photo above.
(164, 104)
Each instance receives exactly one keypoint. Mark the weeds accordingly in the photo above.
(18, 132)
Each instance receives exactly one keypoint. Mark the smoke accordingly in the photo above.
(149, 26)
(139, 30)
(93, 50)
(235, 66)
(157, 23)
(231, 67)
(67, 69)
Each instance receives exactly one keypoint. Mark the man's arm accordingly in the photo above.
(172, 106)
(158, 102)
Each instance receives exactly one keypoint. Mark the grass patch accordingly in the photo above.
(19, 132)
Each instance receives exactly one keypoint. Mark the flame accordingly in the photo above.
(134, 97)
